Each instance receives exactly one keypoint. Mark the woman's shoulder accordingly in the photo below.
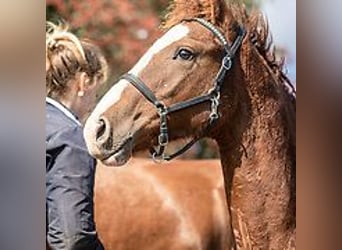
(69, 134)
(60, 117)
(60, 129)
(70, 146)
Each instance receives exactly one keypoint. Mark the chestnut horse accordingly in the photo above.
(178, 206)
(213, 74)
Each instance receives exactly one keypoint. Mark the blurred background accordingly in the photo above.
(126, 29)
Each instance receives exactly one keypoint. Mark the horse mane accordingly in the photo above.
(225, 15)
(261, 37)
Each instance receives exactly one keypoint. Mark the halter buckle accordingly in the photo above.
(215, 101)
(227, 62)
(163, 139)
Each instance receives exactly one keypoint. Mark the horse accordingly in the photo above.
(213, 73)
(178, 206)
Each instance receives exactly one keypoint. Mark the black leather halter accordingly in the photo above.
(213, 95)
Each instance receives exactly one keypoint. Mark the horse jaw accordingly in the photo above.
(121, 156)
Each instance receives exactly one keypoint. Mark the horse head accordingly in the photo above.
(174, 90)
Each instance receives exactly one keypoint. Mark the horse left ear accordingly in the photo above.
(218, 11)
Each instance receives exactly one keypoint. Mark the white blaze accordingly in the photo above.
(114, 94)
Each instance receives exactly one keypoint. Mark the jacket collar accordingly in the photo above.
(63, 109)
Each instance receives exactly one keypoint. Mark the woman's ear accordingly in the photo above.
(83, 84)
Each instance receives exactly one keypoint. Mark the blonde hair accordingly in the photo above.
(66, 55)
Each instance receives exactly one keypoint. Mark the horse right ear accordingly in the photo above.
(214, 11)
(179, 10)
(218, 12)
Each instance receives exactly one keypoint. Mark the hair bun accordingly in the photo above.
(51, 43)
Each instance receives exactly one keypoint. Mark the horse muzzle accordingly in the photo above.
(98, 135)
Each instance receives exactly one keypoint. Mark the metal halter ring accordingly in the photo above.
(227, 62)
(158, 158)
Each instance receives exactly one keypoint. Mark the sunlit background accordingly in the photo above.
(282, 19)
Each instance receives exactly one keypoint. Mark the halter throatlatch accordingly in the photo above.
(213, 96)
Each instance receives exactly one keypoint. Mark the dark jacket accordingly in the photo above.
(70, 172)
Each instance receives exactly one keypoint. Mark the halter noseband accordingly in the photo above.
(213, 95)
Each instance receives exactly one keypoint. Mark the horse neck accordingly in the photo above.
(258, 160)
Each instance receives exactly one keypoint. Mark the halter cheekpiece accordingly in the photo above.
(212, 96)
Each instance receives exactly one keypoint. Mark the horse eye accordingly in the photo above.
(184, 54)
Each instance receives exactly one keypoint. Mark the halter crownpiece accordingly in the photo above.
(212, 96)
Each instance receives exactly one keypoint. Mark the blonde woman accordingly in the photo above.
(74, 70)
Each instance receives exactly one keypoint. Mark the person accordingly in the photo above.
(74, 71)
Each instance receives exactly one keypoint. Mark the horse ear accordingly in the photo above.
(179, 10)
(212, 10)
(218, 11)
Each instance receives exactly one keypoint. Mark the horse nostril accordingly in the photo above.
(103, 134)
(101, 128)
(103, 131)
